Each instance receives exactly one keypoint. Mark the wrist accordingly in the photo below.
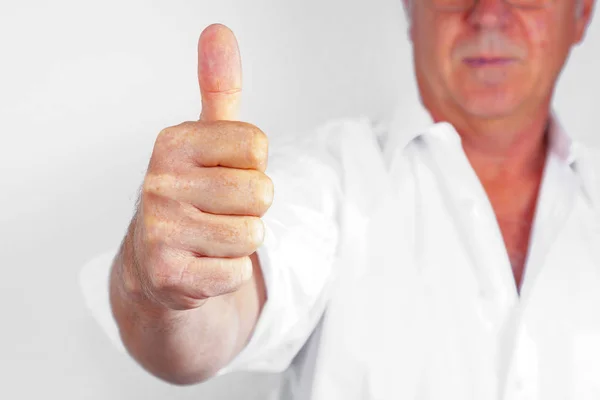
(127, 279)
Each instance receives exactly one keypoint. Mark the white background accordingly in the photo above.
(84, 89)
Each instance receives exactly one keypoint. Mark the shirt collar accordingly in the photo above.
(411, 120)
(560, 142)
(408, 122)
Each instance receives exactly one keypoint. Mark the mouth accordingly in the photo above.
(481, 62)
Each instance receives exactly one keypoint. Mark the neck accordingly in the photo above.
(508, 147)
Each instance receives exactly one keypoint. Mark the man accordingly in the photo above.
(460, 260)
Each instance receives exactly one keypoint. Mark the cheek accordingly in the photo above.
(549, 34)
(433, 33)
(548, 38)
(436, 38)
(449, 32)
(537, 31)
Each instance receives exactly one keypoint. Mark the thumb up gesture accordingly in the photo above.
(198, 219)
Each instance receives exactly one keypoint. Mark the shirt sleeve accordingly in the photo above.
(94, 280)
(297, 256)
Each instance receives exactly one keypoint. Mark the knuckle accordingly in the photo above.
(170, 275)
(233, 278)
(158, 231)
(255, 232)
(162, 277)
(152, 229)
(153, 184)
(265, 193)
(147, 207)
(172, 138)
(188, 303)
(187, 126)
(163, 148)
(159, 188)
(165, 137)
(245, 269)
(208, 290)
(226, 277)
(258, 148)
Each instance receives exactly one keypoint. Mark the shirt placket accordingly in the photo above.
(556, 201)
(475, 221)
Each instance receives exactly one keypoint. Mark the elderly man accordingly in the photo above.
(454, 254)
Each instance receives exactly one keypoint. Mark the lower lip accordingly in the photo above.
(488, 62)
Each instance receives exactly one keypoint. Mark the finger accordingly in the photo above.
(186, 228)
(216, 190)
(209, 277)
(221, 143)
(201, 278)
(219, 74)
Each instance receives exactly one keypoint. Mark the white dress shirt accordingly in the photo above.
(387, 276)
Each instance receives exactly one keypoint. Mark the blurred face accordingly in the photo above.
(490, 59)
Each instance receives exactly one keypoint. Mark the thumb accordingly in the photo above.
(219, 74)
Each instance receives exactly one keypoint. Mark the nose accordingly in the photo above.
(490, 14)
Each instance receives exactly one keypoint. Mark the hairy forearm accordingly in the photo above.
(181, 347)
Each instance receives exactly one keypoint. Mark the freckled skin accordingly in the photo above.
(502, 112)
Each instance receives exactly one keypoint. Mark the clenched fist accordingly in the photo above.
(205, 190)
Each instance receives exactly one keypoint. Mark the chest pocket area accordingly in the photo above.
(586, 321)
(564, 312)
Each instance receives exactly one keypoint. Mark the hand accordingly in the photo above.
(198, 218)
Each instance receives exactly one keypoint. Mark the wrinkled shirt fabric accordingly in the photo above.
(387, 276)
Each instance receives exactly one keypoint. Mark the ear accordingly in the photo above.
(583, 18)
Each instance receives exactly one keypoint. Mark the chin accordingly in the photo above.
(489, 93)
(498, 104)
